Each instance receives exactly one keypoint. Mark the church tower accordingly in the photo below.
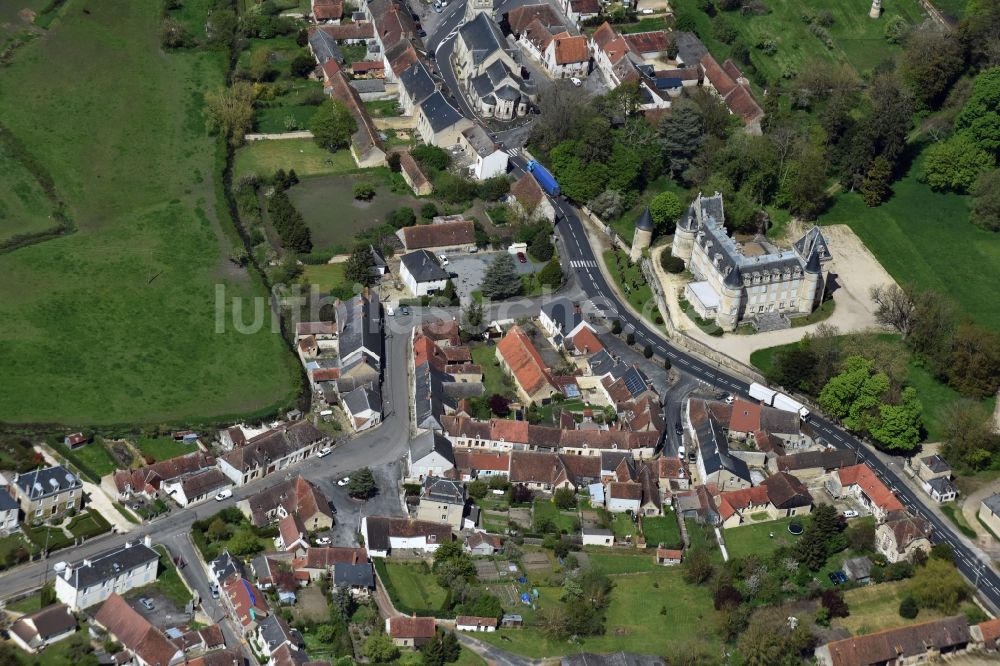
(474, 7)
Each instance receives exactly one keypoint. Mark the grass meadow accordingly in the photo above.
(117, 322)
(263, 158)
(24, 206)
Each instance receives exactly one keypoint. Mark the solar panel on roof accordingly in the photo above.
(634, 382)
(572, 391)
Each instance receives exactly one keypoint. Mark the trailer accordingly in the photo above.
(544, 178)
(762, 393)
(782, 401)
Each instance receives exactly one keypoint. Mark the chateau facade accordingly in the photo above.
(753, 281)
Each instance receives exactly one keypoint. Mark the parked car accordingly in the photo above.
(444, 259)
(324, 541)
(520, 257)
(146, 603)
(224, 494)
(215, 591)
(325, 451)
(576, 82)
(837, 577)
(850, 513)
(679, 428)
(344, 481)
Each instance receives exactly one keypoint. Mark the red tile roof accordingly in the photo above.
(326, 374)
(324, 558)
(745, 416)
(902, 644)
(571, 49)
(443, 330)
(527, 191)
(292, 531)
(362, 66)
(625, 491)
(248, 602)
(586, 341)
(327, 10)
(472, 621)
(875, 490)
(135, 632)
(422, 236)
(524, 361)
(359, 30)
(991, 633)
(411, 627)
(412, 169)
(366, 136)
(520, 17)
(482, 461)
(669, 554)
(655, 41)
(509, 431)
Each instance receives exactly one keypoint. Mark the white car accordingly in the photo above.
(344, 481)
(647, 12)
(325, 451)
(324, 541)
(444, 259)
(850, 514)
(224, 494)
(576, 82)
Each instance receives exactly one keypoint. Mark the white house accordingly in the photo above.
(472, 623)
(364, 406)
(623, 497)
(196, 487)
(562, 319)
(271, 452)
(489, 159)
(9, 512)
(430, 454)
(90, 581)
(383, 535)
(598, 537)
(421, 273)
(37, 631)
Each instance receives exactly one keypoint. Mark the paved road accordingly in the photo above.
(583, 264)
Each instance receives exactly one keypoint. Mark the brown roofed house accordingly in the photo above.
(519, 357)
(432, 236)
(36, 631)
(408, 631)
(144, 642)
(916, 643)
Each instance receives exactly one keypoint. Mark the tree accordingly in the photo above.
(616, 327)
(492, 189)
(244, 543)
(362, 484)
(358, 267)
(898, 426)
(499, 405)
(665, 209)
(431, 157)
(861, 537)
(551, 274)
(980, 118)
(698, 567)
(875, 186)
(647, 351)
(975, 361)
(908, 608)
(332, 126)
(986, 201)
(564, 498)
(955, 164)
(670, 263)
(325, 633)
(501, 280)
(896, 29)
(173, 34)
(969, 439)
(472, 317)
(477, 489)
(938, 585)
(805, 183)
(229, 111)
(795, 367)
(401, 217)
(221, 27)
(217, 530)
(894, 307)
(541, 247)
(302, 65)
(607, 205)
(553, 622)
(428, 211)
(630, 338)
(833, 601)
(380, 648)
(932, 60)
(681, 134)
(769, 640)
(363, 191)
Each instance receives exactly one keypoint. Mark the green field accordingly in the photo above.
(935, 396)
(857, 39)
(564, 521)
(925, 238)
(88, 524)
(414, 589)
(25, 208)
(632, 283)
(121, 315)
(163, 448)
(649, 613)
(756, 539)
(92, 459)
(495, 379)
(169, 581)
(263, 158)
(876, 607)
(333, 214)
(621, 562)
(663, 529)
(324, 276)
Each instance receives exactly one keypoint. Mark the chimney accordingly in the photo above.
(147, 541)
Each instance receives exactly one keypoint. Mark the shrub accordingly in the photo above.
(364, 191)
(431, 157)
(647, 351)
(670, 263)
(908, 608)
(428, 211)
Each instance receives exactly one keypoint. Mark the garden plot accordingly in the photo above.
(536, 561)
(486, 570)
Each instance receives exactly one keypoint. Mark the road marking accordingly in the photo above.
(583, 264)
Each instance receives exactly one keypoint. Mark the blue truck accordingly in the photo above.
(544, 178)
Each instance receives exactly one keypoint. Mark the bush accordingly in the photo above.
(908, 608)
(670, 263)
(428, 211)
(723, 30)
(493, 188)
(431, 157)
(647, 351)
(401, 217)
(364, 191)
(392, 160)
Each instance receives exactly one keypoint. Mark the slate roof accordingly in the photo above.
(324, 47)
(359, 324)
(225, 565)
(690, 50)
(109, 565)
(441, 490)
(368, 85)
(204, 482)
(422, 445)
(482, 37)
(715, 450)
(44, 624)
(41, 483)
(480, 141)
(564, 313)
(784, 491)
(354, 575)
(356, 30)
(417, 82)
(439, 112)
(363, 399)
(423, 266)
(275, 632)
(274, 444)
(993, 503)
(827, 459)
(7, 503)
(936, 464)
(459, 232)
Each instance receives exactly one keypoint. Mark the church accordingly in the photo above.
(752, 281)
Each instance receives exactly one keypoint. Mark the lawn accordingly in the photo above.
(495, 379)
(822, 313)
(324, 276)
(164, 448)
(88, 524)
(47, 538)
(624, 528)
(703, 537)
(620, 562)
(278, 119)
(92, 459)
(925, 238)
(265, 157)
(333, 214)
(413, 588)
(169, 582)
(546, 510)
(25, 207)
(663, 530)
(546, 411)
(632, 283)
(649, 613)
(856, 39)
(9, 544)
(876, 607)
(756, 539)
(935, 396)
(63, 653)
(33, 602)
(129, 300)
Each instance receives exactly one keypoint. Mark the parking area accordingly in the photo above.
(348, 511)
(467, 270)
(163, 613)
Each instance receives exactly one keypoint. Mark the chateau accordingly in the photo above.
(751, 281)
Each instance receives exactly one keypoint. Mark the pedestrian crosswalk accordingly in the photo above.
(513, 152)
(583, 264)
